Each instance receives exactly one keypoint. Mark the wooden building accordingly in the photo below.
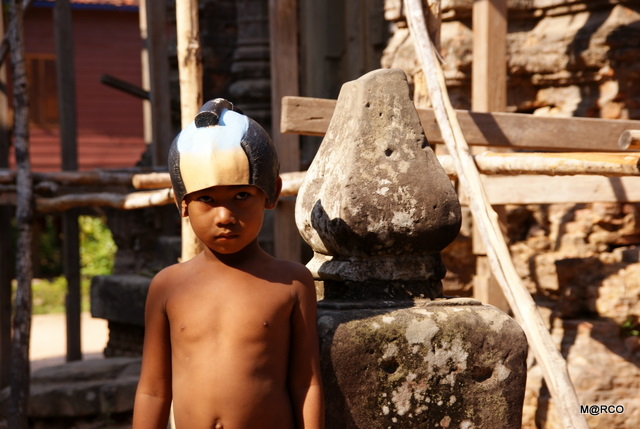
(107, 41)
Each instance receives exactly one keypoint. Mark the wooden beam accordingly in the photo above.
(65, 75)
(77, 178)
(17, 415)
(488, 94)
(311, 116)
(526, 189)
(489, 66)
(283, 30)
(6, 236)
(124, 86)
(158, 75)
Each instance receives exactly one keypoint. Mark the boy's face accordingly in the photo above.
(226, 218)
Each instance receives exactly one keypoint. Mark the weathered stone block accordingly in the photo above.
(119, 298)
(445, 363)
(84, 388)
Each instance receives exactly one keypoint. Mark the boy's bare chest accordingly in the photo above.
(213, 310)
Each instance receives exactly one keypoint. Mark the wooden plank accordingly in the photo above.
(283, 25)
(66, 81)
(311, 116)
(526, 189)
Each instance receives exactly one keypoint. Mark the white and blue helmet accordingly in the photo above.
(222, 146)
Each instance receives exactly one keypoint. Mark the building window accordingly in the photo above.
(43, 95)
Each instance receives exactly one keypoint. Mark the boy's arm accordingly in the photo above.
(305, 383)
(153, 396)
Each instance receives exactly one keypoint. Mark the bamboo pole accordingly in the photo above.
(629, 139)
(19, 372)
(290, 181)
(524, 308)
(559, 164)
(135, 200)
(190, 76)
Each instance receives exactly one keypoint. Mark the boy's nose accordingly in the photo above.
(224, 216)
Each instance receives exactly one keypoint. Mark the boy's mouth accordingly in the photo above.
(226, 236)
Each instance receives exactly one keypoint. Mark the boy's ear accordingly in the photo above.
(184, 212)
(274, 203)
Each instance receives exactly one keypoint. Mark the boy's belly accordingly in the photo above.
(230, 394)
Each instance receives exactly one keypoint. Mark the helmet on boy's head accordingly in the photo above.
(222, 146)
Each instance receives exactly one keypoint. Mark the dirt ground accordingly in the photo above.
(48, 339)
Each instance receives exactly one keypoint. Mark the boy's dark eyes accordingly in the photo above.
(205, 199)
(242, 195)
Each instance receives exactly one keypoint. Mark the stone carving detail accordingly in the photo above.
(375, 203)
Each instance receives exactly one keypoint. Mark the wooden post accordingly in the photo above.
(190, 72)
(489, 73)
(65, 74)
(190, 76)
(19, 373)
(6, 238)
(489, 94)
(283, 29)
(554, 367)
(156, 79)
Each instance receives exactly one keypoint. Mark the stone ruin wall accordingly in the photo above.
(580, 262)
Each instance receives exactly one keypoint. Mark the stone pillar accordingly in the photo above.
(377, 208)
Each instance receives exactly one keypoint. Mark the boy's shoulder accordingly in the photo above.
(294, 268)
(170, 274)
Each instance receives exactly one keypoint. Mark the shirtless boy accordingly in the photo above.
(230, 335)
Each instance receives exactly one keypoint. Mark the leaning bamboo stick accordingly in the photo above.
(524, 308)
